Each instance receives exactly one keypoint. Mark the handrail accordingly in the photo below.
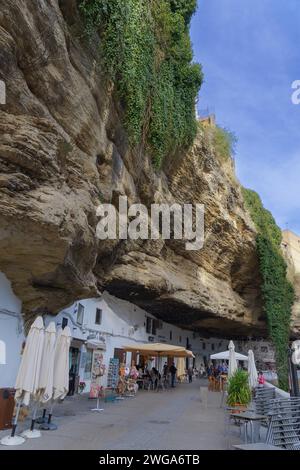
(281, 393)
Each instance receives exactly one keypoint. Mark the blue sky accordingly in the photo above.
(250, 53)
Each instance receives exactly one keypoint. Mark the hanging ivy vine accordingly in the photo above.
(277, 291)
(146, 50)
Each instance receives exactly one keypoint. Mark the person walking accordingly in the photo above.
(173, 371)
(261, 379)
(155, 377)
(165, 370)
(202, 371)
(166, 375)
(190, 374)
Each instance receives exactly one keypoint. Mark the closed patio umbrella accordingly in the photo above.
(46, 377)
(47, 367)
(180, 367)
(232, 366)
(28, 378)
(27, 383)
(60, 373)
(252, 371)
(61, 364)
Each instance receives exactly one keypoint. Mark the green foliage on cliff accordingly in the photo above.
(278, 293)
(147, 53)
(221, 139)
(224, 142)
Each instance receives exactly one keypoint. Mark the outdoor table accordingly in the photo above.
(257, 446)
(249, 417)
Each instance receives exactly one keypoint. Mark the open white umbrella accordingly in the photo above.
(27, 383)
(224, 356)
(232, 366)
(252, 371)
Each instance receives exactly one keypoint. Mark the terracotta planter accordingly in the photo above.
(240, 408)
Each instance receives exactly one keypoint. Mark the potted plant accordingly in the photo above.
(81, 386)
(239, 393)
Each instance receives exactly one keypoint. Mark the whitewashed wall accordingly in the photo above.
(124, 323)
(11, 332)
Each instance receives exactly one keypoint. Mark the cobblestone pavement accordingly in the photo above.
(173, 419)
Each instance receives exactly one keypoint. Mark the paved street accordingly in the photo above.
(174, 419)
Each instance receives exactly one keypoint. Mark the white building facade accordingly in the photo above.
(11, 333)
(107, 324)
(101, 327)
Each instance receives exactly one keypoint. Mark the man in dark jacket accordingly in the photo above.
(173, 371)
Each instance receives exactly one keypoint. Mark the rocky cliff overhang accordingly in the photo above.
(63, 150)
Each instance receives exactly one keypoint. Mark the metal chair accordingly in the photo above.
(284, 429)
(224, 394)
(263, 399)
(284, 426)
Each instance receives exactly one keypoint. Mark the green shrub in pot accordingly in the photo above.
(239, 392)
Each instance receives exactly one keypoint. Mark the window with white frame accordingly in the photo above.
(98, 317)
(149, 325)
(80, 313)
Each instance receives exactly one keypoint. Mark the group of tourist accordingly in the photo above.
(154, 377)
(151, 378)
(216, 371)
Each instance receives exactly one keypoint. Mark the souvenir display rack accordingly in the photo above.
(113, 373)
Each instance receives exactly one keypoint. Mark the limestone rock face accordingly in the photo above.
(291, 254)
(296, 307)
(63, 150)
